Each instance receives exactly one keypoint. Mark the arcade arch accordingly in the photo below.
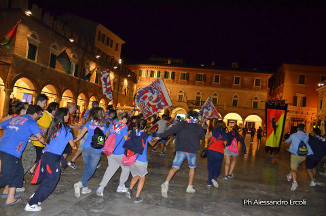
(232, 119)
(253, 121)
(24, 90)
(67, 97)
(51, 92)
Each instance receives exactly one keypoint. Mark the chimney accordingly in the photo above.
(169, 61)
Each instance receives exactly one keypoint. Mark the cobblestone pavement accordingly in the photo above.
(255, 178)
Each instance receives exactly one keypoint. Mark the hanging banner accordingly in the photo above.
(106, 84)
(153, 98)
(275, 120)
(208, 111)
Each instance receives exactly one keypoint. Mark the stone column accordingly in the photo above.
(6, 101)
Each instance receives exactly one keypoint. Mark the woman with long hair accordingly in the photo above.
(48, 168)
(91, 156)
(120, 129)
(231, 151)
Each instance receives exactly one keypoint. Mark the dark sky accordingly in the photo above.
(255, 33)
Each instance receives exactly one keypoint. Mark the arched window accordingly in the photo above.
(255, 103)
(33, 41)
(198, 98)
(235, 100)
(215, 98)
(54, 52)
(180, 96)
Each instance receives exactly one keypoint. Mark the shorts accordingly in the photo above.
(227, 152)
(162, 140)
(12, 172)
(139, 169)
(68, 149)
(311, 163)
(180, 156)
(296, 160)
(39, 151)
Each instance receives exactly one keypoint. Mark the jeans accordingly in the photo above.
(180, 156)
(214, 164)
(91, 158)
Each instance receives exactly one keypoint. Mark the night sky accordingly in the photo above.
(256, 34)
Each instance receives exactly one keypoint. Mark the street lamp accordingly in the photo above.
(28, 13)
(71, 40)
(97, 56)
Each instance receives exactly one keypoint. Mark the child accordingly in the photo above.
(139, 168)
(48, 168)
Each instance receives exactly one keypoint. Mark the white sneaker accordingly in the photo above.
(122, 189)
(85, 190)
(99, 192)
(164, 189)
(191, 189)
(215, 183)
(312, 184)
(22, 189)
(294, 186)
(289, 177)
(32, 208)
(77, 187)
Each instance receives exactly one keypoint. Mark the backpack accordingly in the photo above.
(234, 146)
(134, 145)
(129, 157)
(109, 145)
(98, 139)
(302, 149)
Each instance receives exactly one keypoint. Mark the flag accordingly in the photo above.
(275, 119)
(88, 76)
(208, 111)
(64, 60)
(106, 84)
(153, 98)
(10, 36)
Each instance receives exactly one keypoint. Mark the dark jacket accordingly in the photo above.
(318, 146)
(219, 133)
(188, 136)
(234, 134)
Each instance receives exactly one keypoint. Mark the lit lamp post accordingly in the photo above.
(118, 71)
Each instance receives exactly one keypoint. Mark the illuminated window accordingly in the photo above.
(152, 73)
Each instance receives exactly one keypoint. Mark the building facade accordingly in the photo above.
(238, 95)
(321, 107)
(30, 66)
(296, 84)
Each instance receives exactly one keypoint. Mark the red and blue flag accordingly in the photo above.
(153, 98)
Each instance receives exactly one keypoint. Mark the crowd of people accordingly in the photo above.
(47, 137)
